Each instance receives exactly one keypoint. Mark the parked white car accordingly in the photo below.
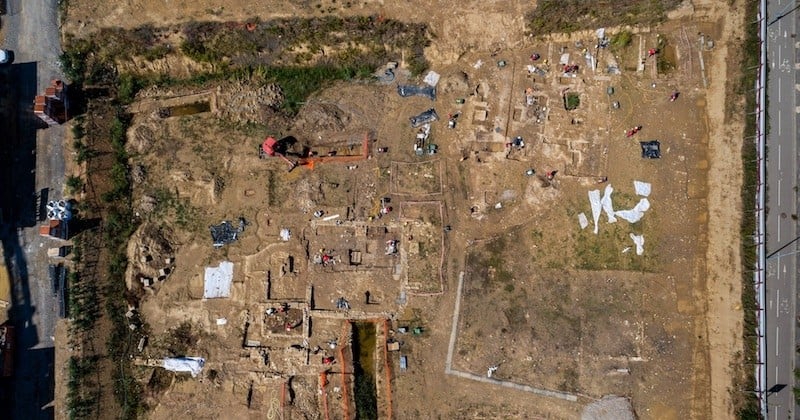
(6, 56)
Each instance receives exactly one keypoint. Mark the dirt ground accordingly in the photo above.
(552, 306)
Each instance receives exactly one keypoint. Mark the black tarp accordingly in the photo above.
(409, 90)
(225, 232)
(424, 118)
(651, 149)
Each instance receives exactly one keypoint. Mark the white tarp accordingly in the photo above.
(564, 59)
(608, 206)
(432, 78)
(642, 188)
(601, 33)
(582, 220)
(285, 234)
(193, 365)
(594, 200)
(639, 241)
(217, 281)
(635, 214)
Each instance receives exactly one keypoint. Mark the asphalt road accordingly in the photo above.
(36, 163)
(782, 204)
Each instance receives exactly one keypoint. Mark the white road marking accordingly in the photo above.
(777, 336)
(779, 155)
(779, 229)
(779, 187)
(779, 123)
(779, 90)
(777, 300)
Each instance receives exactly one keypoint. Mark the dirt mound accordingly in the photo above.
(457, 83)
(242, 102)
(151, 254)
(322, 117)
(141, 138)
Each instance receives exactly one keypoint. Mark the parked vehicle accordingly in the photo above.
(6, 56)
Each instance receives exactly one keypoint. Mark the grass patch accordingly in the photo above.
(301, 55)
(298, 83)
(620, 40)
(551, 16)
(170, 205)
(746, 404)
(572, 101)
(604, 250)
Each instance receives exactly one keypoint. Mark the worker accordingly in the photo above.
(550, 175)
(651, 52)
(674, 96)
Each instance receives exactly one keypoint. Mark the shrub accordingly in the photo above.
(127, 88)
(621, 40)
(74, 184)
(572, 101)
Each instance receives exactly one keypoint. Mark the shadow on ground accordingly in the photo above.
(31, 388)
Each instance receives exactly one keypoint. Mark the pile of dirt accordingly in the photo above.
(321, 117)
(152, 256)
(141, 138)
(242, 102)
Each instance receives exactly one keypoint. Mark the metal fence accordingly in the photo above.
(761, 238)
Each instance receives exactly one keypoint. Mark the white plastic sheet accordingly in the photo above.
(608, 206)
(638, 240)
(601, 33)
(432, 78)
(594, 200)
(193, 365)
(642, 188)
(217, 281)
(582, 220)
(636, 213)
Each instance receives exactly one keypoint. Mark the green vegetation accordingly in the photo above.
(602, 251)
(89, 289)
(666, 59)
(127, 87)
(84, 303)
(298, 83)
(181, 339)
(169, 204)
(551, 16)
(118, 227)
(796, 389)
(82, 393)
(746, 403)
(74, 184)
(366, 399)
(620, 40)
(572, 101)
(300, 55)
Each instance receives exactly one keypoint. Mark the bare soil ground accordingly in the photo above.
(553, 306)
